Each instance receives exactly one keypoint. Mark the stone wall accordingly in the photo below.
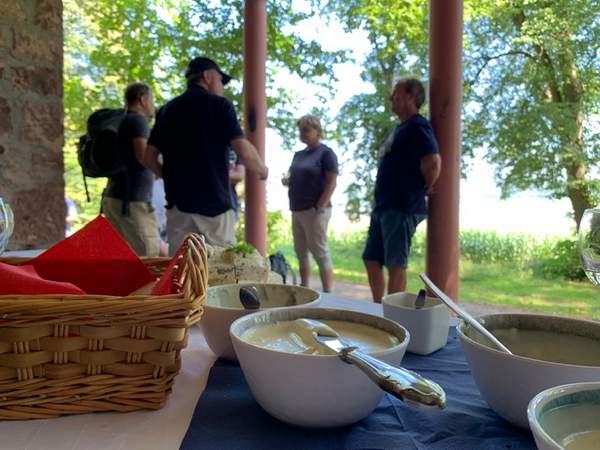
(31, 120)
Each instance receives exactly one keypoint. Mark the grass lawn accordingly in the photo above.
(494, 284)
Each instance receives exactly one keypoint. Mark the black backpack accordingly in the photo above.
(280, 265)
(98, 150)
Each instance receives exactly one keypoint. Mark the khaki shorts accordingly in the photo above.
(218, 230)
(309, 228)
(139, 228)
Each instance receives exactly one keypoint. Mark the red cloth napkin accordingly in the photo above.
(164, 286)
(24, 280)
(95, 259)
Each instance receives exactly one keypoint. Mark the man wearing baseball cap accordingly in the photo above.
(193, 133)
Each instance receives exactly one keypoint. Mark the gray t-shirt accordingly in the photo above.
(308, 176)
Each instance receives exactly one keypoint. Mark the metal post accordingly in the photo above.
(445, 92)
(255, 115)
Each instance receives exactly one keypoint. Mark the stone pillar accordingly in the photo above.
(445, 92)
(31, 120)
(255, 115)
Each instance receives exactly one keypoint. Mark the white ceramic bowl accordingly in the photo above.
(566, 416)
(316, 391)
(509, 382)
(428, 326)
(222, 306)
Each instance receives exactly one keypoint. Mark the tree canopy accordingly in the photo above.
(120, 41)
(532, 95)
(397, 31)
(531, 90)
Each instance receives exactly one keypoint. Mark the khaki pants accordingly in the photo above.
(218, 230)
(139, 228)
(309, 228)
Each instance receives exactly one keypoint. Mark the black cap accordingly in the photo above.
(200, 64)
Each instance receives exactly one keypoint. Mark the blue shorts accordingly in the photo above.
(390, 235)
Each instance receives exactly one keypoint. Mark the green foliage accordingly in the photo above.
(490, 247)
(558, 259)
(550, 258)
(532, 93)
(279, 231)
(242, 248)
(120, 41)
(397, 30)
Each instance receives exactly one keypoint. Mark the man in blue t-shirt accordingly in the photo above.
(194, 132)
(409, 165)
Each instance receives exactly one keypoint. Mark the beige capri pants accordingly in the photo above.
(309, 228)
(218, 230)
(139, 228)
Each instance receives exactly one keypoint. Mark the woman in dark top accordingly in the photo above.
(312, 180)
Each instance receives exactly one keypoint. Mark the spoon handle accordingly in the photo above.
(404, 384)
(420, 301)
(462, 313)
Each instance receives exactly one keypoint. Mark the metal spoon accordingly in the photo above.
(420, 300)
(464, 314)
(249, 297)
(404, 384)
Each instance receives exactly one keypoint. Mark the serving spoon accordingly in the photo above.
(464, 314)
(249, 297)
(404, 384)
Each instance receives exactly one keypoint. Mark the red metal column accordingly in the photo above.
(255, 115)
(445, 92)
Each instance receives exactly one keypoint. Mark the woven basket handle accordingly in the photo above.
(190, 274)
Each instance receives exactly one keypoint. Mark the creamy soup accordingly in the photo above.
(294, 337)
(549, 346)
(585, 416)
(587, 440)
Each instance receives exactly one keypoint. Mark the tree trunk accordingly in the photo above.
(563, 87)
(578, 188)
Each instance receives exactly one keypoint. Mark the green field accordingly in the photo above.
(503, 283)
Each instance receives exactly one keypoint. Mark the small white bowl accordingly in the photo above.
(509, 382)
(566, 416)
(222, 306)
(428, 326)
(315, 391)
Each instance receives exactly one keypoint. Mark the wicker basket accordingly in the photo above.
(78, 354)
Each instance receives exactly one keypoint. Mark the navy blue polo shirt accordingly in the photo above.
(193, 132)
(399, 182)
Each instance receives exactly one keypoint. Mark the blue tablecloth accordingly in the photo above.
(228, 417)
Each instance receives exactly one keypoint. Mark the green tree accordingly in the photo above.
(531, 90)
(106, 47)
(120, 41)
(397, 31)
(532, 95)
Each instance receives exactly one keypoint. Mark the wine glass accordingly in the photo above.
(7, 222)
(589, 244)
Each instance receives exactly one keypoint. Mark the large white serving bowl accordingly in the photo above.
(560, 415)
(222, 306)
(316, 391)
(508, 382)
